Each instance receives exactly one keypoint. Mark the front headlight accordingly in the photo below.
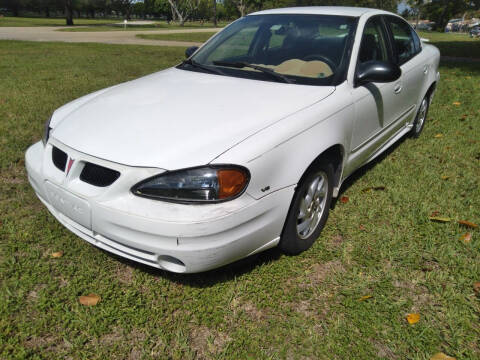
(196, 185)
(46, 131)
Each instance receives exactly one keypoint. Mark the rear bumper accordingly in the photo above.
(174, 237)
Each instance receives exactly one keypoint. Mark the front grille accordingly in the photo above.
(59, 158)
(98, 175)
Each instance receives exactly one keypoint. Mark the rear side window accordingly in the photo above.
(406, 43)
(418, 43)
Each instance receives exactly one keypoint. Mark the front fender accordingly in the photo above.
(278, 156)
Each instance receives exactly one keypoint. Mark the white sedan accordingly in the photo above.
(241, 147)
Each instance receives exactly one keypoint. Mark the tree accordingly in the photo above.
(69, 12)
(183, 9)
(124, 6)
(215, 13)
(440, 11)
(417, 8)
(15, 6)
(241, 6)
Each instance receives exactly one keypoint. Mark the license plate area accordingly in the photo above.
(69, 205)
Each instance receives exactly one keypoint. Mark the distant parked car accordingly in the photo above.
(423, 27)
(475, 32)
(242, 146)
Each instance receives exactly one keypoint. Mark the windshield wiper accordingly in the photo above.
(265, 70)
(201, 66)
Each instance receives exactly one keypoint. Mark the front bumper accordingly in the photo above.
(173, 237)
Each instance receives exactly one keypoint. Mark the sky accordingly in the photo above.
(401, 7)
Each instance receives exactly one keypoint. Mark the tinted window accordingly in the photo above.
(418, 43)
(311, 49)
(403, 39)
(373, 46)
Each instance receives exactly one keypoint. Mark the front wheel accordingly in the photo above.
(309, 210)
(419, 122)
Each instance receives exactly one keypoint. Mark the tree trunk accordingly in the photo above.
(176, 13)
(241, 7)
(47, 12)
(215, 13)
(69, 12)
(15, 10)
(442, 22)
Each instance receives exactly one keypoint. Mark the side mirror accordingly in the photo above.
(377, 71)
(190, 51)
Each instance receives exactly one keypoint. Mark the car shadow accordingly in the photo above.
(464, 63)
(208, 278)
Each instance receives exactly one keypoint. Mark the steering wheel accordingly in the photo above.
(322, 58)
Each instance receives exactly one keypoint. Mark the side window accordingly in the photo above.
(279, 33)
(373, 46)
(418, 43)
(403, 37)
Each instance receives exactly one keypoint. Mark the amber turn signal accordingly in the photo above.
(231, 182)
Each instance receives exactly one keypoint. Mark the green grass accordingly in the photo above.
(454, 44)
(157, 26)
(22, 21)
(379, 243)
(193, 37)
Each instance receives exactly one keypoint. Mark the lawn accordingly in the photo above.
(378, 259)
(454, 44)
(192, 37)
(23, 21)
(159, 25)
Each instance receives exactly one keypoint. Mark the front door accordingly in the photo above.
(377, 105)
(407, 46)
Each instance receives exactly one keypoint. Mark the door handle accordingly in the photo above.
(398, 88)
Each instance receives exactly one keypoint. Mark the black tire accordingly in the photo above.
(290, 241)
(417, 126)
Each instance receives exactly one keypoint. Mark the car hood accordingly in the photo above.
(176, 118)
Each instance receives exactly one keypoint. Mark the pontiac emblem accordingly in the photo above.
(69, 165)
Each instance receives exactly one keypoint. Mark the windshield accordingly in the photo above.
(296, 48)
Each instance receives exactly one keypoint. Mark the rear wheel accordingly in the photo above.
(419, 122)
(309, 210)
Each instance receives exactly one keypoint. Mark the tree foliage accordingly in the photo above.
(439, 11)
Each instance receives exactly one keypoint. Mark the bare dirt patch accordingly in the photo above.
(37, 342)
(133, 340)
(252, 311)
(111, 338)
(62, 282)
(320, 272)
(336, 241)
(32, 296)
(205, 341)
(304, 307)
(47, 342)
(124, 274)
(383, 351)
(417, 293)
(14, 175)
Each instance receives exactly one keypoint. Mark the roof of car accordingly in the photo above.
(323, 10)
